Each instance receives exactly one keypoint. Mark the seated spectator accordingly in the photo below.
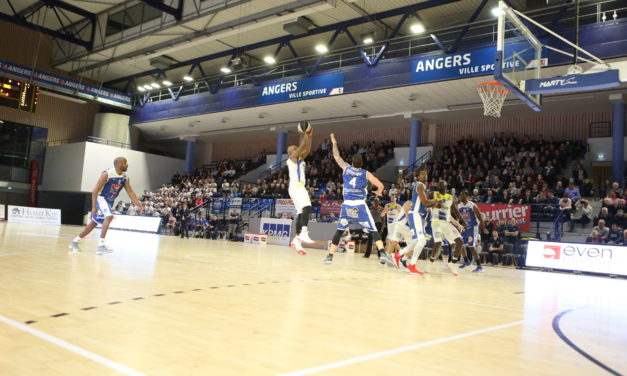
(601, 229)
(603, 215)
(559, 189)
(584, 211)
(620, 219)
(495, 248)
(614, 236)
(595, 238)
(566, 208)
(572, 192)
(512, 234)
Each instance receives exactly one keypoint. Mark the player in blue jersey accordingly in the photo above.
(354, 208)
(470, 213)
(107, 189)
(419, 206)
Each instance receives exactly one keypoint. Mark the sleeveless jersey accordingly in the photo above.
(296, 171)
(114, 185)
(443, 213)
(355, 183)
(394, 214)
(416, 205)
(467, 213)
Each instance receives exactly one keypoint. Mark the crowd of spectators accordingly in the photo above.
(610, 225)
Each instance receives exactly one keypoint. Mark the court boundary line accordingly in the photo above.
(347, 362)
(563, 337)
(72, 348)
(384, 291)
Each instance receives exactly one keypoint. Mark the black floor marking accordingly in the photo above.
(30, 322)
(260, 283)
(179, 292)
(246, 284)
(60, 314)
(88, 308)
(214, 287)
(112, 303)
(558, 331)
(138, 298)
(196, 289)
(519, 292)
(158, 294)
(230, 285)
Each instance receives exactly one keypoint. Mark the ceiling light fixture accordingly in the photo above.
(155, 85)
(269, 59)
(225, 70)
(322, 49)
(141, 89)
(188, 78)
(147, 87)
(167, 83)
(417, 28)
(367, 38)
(496, 11)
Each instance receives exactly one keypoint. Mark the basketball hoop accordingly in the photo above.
(492, 95)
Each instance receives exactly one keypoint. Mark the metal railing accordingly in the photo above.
(479, 32)
(97, 140)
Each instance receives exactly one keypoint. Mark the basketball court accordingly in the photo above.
(165, 305)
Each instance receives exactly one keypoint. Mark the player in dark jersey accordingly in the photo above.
(469, 211)
(354, 208)
(104, 194)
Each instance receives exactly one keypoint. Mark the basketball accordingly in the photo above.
(304, 126)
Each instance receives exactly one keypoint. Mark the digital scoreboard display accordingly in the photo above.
(18, 95)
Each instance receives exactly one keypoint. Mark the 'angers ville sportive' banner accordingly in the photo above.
(496, 212)
(321, 86)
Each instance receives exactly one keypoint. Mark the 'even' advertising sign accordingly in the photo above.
(595, 258)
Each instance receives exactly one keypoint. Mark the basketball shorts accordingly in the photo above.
(416, 225)
(401, 232)
(300, 197)
(469, 236)
(444, 230)
(103, 210)
(356, 211)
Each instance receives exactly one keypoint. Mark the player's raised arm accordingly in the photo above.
(94, 194)
(386, 209)
(376, 182)
(303, 149)
(132, 195)
(407, 206)
(420, 188)
(337, 156)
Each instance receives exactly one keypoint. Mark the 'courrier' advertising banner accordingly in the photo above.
(595, 258)
(496, 212)
(314, 87)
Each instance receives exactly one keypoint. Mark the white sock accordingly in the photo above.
(77, 239)
(101, 241)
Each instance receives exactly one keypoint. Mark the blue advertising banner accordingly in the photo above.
(314, 87)
(576, 82)
(464, 64)
(54, 82)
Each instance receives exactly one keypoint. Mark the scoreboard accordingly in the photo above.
(18, 95)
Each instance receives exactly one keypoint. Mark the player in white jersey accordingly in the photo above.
(443, 228)
(298, 191)
(392, 212)
(104, 194)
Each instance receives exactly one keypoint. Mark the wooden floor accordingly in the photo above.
(167, 306)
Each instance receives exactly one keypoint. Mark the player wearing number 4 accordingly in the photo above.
(298, 192)
(354, 207)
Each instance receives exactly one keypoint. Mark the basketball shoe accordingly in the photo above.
(412, 269)
(304, 237)
(328, 260)
(298, 247)
(103, 249)
(74, 247)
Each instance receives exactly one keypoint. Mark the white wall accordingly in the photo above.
(601, 149)
(63, 168)
(401, 154)
(145, 171)
(77, 167)
(112, 127)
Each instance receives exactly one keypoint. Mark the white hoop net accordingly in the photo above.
(493, 96)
